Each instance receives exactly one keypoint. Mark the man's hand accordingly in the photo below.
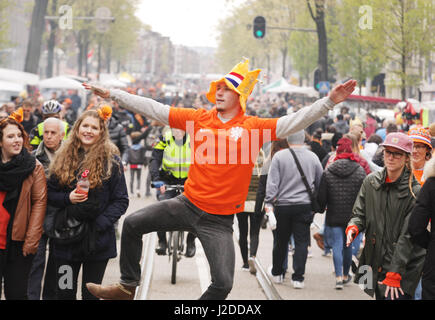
(342, 91)
(101, 92)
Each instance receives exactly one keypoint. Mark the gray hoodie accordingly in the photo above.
(284, 183)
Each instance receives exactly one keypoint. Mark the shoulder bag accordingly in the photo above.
(313, 196)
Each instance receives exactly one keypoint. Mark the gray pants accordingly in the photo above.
(178, 214)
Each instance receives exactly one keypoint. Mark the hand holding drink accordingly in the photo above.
(83, 183)
(80, 193)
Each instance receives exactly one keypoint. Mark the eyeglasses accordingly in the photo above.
(396, 155)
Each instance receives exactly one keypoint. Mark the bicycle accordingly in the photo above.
(176, 238)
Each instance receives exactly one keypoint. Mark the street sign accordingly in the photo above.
(324, 86)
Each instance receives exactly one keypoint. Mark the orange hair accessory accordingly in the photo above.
(105, 112)
(17, 115)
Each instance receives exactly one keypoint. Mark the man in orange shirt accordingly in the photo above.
(224, 144)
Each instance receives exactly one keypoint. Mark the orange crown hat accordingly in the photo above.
(420, 135)
(17, 115)
(105, 112)
(240, 80)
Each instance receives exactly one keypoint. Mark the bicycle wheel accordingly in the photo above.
(175, 236)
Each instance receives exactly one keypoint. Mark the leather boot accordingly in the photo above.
(161, 249)
(113, 292)
(191, 249)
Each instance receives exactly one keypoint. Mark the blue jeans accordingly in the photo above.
(178, 214)
(325, 242)
(356, 244)
(418, 291)
(341, 254)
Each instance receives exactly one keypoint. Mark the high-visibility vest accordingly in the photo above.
(37, 139)
(176, 159)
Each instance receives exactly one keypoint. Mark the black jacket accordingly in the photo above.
(423, 212)
(119, 137)
(41, 154)
(339, 187)
(113, 203)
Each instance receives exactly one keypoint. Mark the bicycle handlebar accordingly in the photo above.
(170, 186)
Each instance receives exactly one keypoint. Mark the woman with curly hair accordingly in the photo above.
(23, 201)
(88, 148)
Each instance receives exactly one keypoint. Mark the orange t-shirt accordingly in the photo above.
(222, 156)
(418, 174)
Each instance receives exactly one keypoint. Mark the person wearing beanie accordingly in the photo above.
(421, 154)
(421, 151)
(286, 192)
(382, 210)
(218, 178)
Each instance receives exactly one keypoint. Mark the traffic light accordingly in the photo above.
(259, 27)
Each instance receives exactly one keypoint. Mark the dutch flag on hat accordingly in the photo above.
(235, 78)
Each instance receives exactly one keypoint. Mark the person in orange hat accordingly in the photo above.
(421, 151)
(218, 177)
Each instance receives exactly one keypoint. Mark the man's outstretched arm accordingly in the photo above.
(137, 104)
(304, 117)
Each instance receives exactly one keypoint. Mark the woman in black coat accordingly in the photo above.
(422, 214)
(339, 187)
(88, 148)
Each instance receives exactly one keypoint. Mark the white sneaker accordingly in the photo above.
(251, 263)
(275, 279)
(298, 284)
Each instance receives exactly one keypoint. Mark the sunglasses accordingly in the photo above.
(395, 155)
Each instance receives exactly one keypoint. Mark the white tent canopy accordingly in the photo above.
(284, 87)
(60, 83)
(113, 83)
(23, 78)
(110, 81)
(11, 86)
(281, 82)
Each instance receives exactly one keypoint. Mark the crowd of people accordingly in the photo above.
(364, 176)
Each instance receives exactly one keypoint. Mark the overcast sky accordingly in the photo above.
(186, 22)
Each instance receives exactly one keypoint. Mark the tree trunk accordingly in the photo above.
(85, 56)
(403, 78)
(80, 55)
(50, 50)
(51, 41)
(319, 19)
(284, 60)
(35, 36)
(404, 52)
(99, 59)
(109, 58)
(268, 68)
